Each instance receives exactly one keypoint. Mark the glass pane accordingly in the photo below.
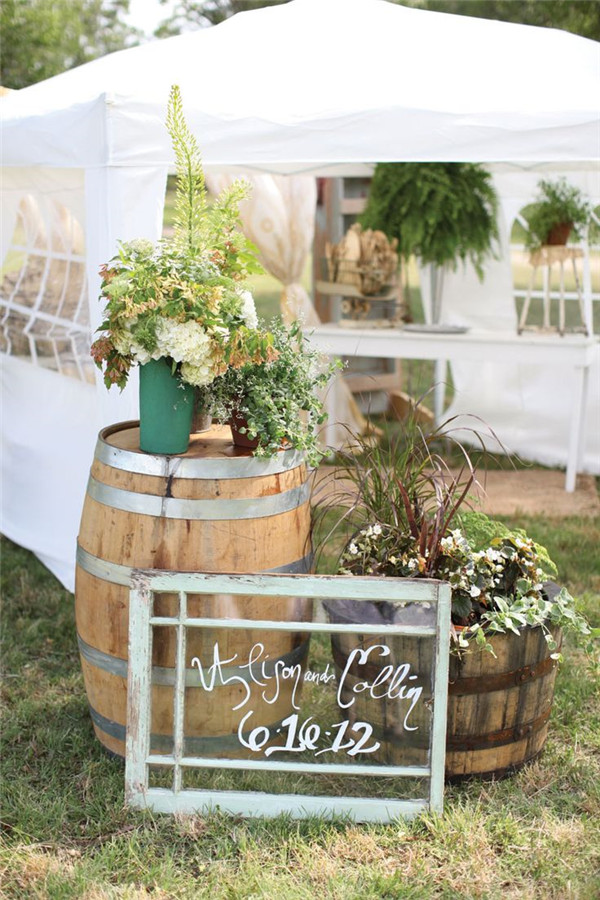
(347, 699)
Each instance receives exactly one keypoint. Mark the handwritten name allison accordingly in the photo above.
(391, 682)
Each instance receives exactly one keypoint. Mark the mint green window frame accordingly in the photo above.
(138, 794)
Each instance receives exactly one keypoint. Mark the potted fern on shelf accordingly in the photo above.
(559, 210)
(179, 309)
(442, 213)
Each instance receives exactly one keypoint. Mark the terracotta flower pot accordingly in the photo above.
(241, 439)
(559, 235)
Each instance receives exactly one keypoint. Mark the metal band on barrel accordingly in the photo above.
(209, 510)
(162, 675)
(188, 467)
(117, 573)
(163, 743)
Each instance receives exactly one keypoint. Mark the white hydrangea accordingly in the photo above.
(126, 346)
(184, 341)
(141, 355)
(199, 376)
(248, 309)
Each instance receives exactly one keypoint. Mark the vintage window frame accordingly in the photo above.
(145, 583)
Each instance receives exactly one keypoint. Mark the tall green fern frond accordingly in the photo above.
(190, 199)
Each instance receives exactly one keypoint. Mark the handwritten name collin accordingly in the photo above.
(391, 682)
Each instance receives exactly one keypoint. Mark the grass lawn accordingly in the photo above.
(67, 834)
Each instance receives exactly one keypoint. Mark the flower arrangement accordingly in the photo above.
(498, 588)
(183, 299)
(409, 517)
(280, 400)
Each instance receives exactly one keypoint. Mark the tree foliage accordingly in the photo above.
(201, 13)
(42, 38)
(578, 16)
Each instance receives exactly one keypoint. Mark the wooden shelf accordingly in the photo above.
(353, 206)
(338, 288)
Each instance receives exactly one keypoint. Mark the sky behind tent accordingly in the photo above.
(148, 14)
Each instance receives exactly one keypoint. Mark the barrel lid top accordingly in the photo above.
(212, 448)
(216, 443)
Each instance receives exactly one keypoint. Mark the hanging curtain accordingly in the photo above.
(279, 218)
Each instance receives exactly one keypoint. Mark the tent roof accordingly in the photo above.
(316, 83)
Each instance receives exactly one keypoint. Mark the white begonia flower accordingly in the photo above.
(377, 529)
(474, 591)
(248, 309)
(353, 549)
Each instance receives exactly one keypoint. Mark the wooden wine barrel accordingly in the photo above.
(499, 708)
(498, 705)
(213, 509)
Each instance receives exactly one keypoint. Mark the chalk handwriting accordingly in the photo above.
(258, 670)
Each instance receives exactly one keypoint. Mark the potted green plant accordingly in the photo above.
(406, 514)
(559, 210)
(442, 213)
(279, 402)
(179, 308)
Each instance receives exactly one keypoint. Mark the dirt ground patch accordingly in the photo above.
(523, 492)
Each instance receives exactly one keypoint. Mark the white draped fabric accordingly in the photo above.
(279, 218)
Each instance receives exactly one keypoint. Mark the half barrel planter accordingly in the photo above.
(499, 704)
(213, 509)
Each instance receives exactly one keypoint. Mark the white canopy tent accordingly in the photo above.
(319, 86)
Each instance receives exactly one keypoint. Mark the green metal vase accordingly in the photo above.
(166, 408)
